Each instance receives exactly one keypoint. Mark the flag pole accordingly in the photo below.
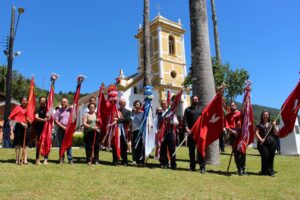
(53, 78)
(180, 145)
(229, 162)
(273, 121)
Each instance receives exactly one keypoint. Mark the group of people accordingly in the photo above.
(131, 123)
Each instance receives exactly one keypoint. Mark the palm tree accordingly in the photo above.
(146, 41)
(202, 75)
(216, 34)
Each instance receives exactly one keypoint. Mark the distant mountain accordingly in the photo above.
(257, 110)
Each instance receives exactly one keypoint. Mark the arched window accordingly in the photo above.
(171, 45)
(135, 90)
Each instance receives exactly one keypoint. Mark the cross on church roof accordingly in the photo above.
(158, 9)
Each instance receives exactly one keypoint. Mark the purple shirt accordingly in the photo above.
(62, 116)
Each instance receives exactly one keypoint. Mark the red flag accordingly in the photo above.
(247, 135)
(31, 102)
(165, 122)
(102, 112)
(209, 125)
(289, 112)
(71, 127)
(112, 134)
(45, 140)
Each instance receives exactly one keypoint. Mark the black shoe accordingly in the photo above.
(244, 171)
(192, 169)
(271, 174)
(174, 167)
(116, 163)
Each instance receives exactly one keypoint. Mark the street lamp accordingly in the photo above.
(10, 57)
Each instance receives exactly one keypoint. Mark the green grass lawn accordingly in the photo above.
(105, 181)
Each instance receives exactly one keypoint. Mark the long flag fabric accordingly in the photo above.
(102, 112)
(31, 102)
(163, 125)
(67, 141)
(209, 125)
(113, 131)
(147, 128)
(289, 112)
(45, 140)
(247, 135)
(111, 128)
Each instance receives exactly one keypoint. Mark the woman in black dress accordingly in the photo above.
(266, 144)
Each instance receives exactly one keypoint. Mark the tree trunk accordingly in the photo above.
(202, 75)
(146, 41)
(216, 34)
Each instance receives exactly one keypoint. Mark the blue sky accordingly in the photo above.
(96, 38)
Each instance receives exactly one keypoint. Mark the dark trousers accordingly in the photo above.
(267, 154)
(123, 146)
(222, 141)
(240, 160)
(92, 138)
(138, 149)
(192, 148)
(61, 135)
(133, 143)
(168, 143)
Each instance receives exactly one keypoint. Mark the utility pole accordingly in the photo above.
(10, 58)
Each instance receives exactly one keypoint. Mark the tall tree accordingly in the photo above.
(202, 74)
(146, 42)
(216, 34)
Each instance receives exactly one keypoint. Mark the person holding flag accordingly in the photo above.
(266, 144)
(40, 119)
(233, 128)
(23, 115)
(191, 115)
(167, 134)
(244, 133)
(45, 140)
(61, 119)
(123, 123)
(137, 145)
(208, 126)
(21, 130)
(70, 128)
(113, 131)
(91, 135)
